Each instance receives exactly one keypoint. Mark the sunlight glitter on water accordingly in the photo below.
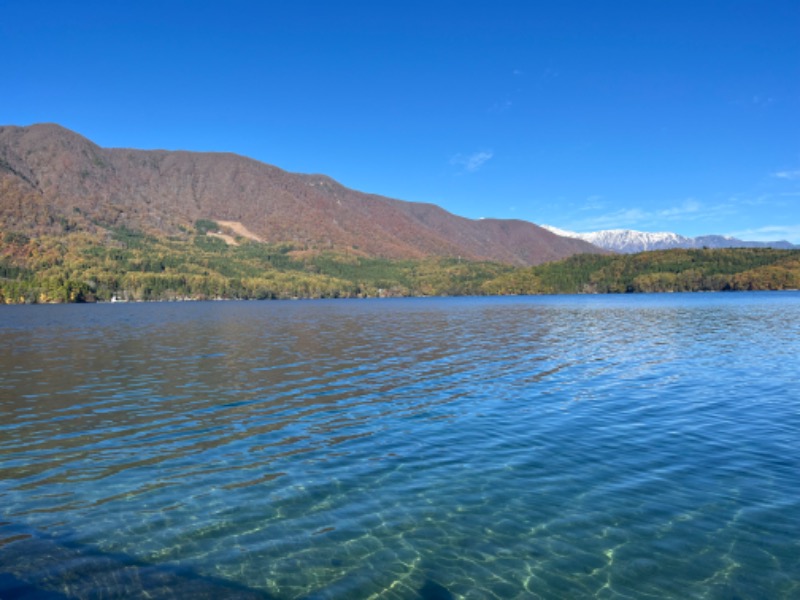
(468, 448)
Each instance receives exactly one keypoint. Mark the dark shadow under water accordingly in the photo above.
(35, 566)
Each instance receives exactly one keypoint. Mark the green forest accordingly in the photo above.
(126, 265)
(679, 270)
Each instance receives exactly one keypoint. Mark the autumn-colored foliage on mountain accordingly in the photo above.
(129, 265)
(79, 223)
(54, 181)
(679, 270)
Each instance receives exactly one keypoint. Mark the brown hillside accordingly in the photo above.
(54, 179)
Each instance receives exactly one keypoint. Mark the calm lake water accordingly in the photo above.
(550, 447)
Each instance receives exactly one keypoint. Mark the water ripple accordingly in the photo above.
(513, 448)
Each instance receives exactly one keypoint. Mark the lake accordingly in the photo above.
(636, 446)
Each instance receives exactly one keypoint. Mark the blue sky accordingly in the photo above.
(652, 115)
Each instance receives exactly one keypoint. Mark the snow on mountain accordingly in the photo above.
(628, 241)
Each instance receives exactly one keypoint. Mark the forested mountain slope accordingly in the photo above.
(54, 181)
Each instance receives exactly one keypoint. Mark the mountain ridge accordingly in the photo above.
(53, 179)
(630, 241)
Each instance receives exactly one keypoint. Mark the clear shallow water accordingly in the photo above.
(582, 447)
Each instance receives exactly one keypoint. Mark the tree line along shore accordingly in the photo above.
(121, 264)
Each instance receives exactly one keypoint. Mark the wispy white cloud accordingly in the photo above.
(751, 200)
(627, 218)
(770, 233)
(688, 207)
(688, 214)
(635, 218)
(500, 107)
(549, 73)
(593, 202)
(791, 174)
(471, 162)
(771, 200)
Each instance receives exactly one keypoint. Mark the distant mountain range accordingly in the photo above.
(628, 241)
(55, 181)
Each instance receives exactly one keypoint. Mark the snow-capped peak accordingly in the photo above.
(561, 232)
(630, 241)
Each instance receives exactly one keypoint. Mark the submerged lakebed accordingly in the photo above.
(594, 446)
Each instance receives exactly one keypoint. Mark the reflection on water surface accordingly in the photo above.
(604, 447)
